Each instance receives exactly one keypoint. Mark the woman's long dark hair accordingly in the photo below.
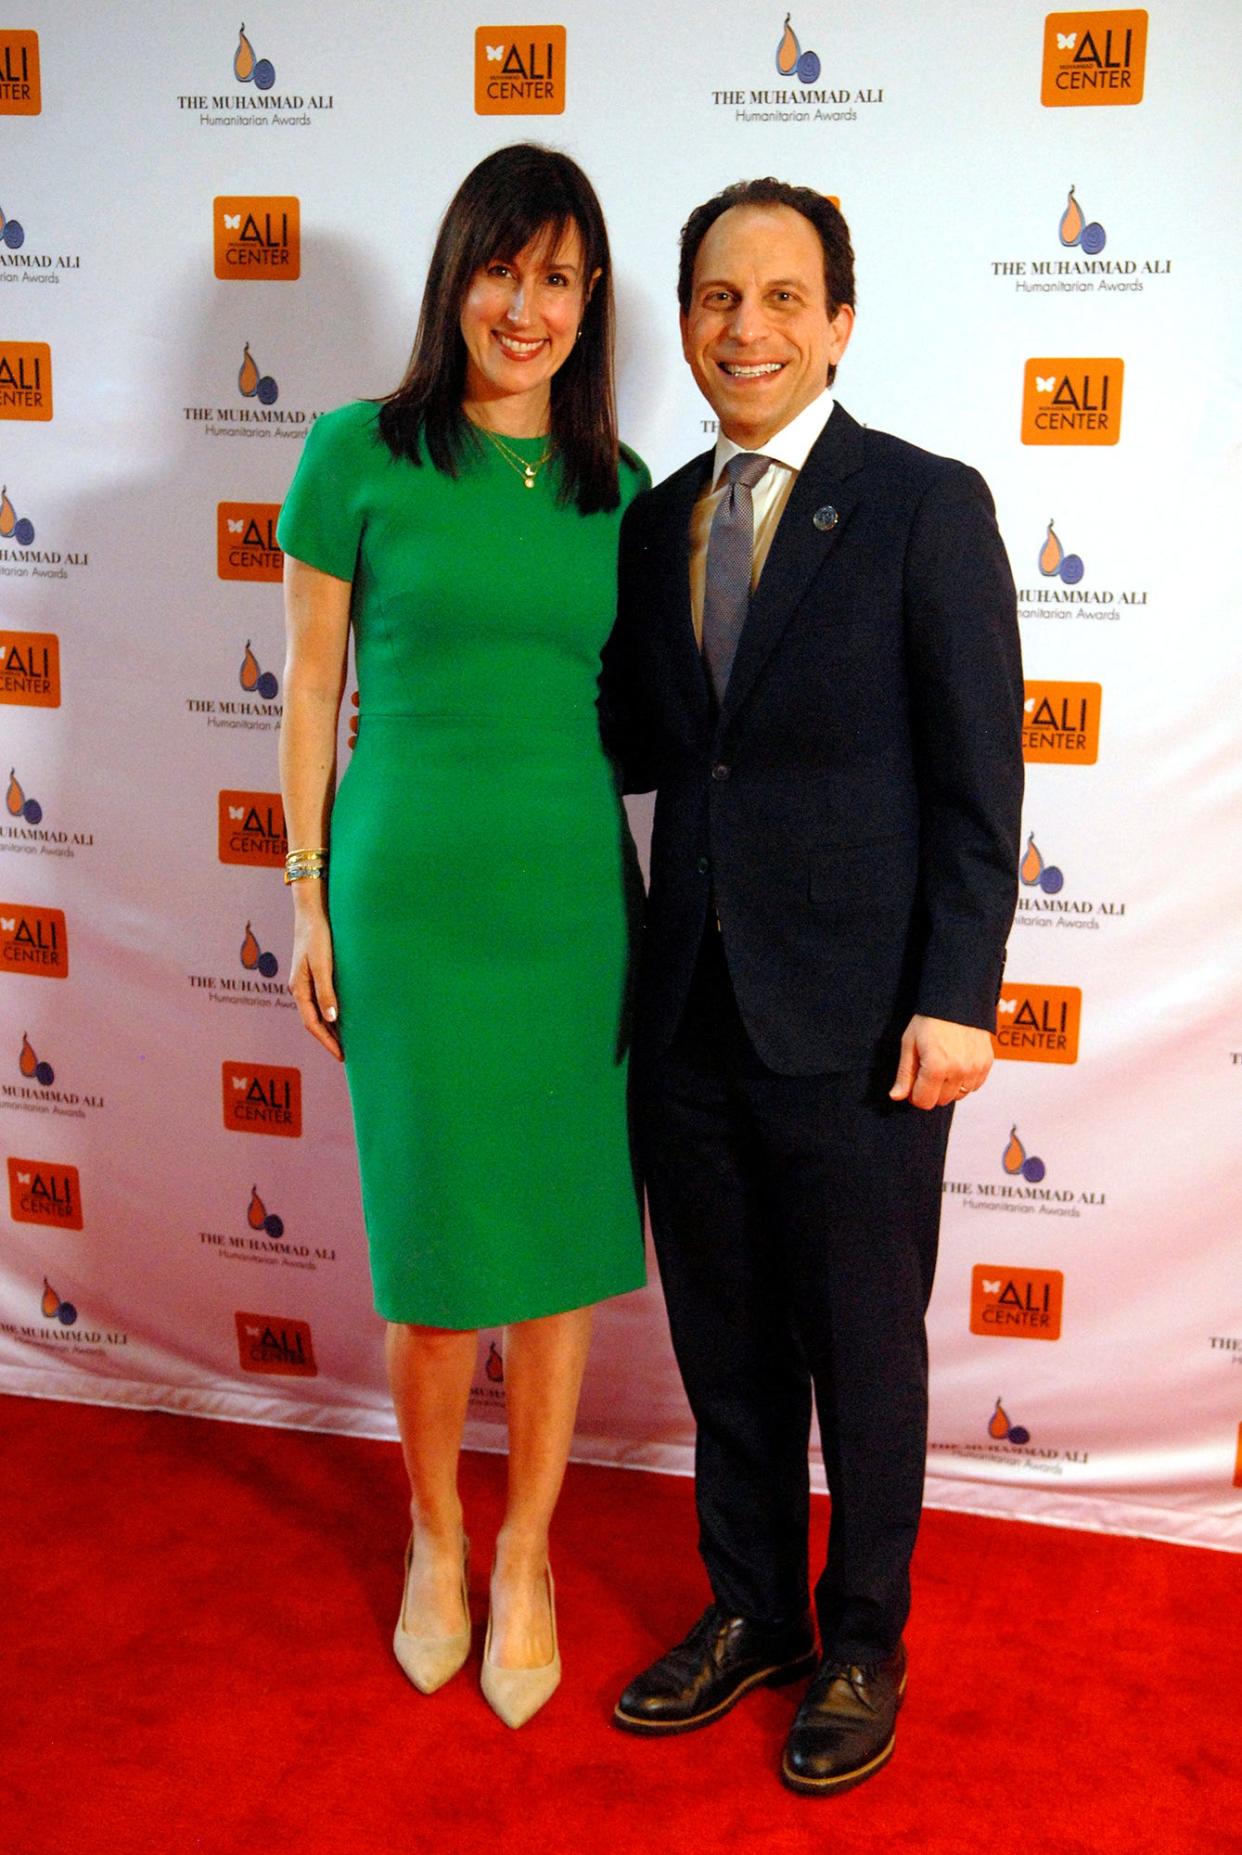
(511, 197)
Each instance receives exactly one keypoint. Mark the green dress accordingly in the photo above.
(482, 879)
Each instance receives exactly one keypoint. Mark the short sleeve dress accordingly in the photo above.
(483, 884)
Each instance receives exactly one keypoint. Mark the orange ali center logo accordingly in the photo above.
(1061, 723)
(25, 380)
(258, 238)
(30, 669)
(262, 1098)
(251, 829)
(519, 70)
(1016, 1304)
(43, 1193)
(273, 1343)
(33, 941)
(1094, 58)
(21, 87)
(1038, 1023)
(1072, 401)
(246, 544)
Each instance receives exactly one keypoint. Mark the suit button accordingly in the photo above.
(704, 865)
(720, 772)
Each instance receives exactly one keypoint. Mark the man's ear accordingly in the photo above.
(841, 327)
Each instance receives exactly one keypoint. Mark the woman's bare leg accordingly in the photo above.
(544, 1363)
(429, 1374)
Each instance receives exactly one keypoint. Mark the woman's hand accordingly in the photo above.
(311, 979)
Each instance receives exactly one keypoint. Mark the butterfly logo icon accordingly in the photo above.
(1008, 1006)
(991, 1288)
(237, 528)
(495, 53)
(23, 1178)
(241, 1082)
(232, 222)
(1028, 705)
(9, 927)
(238, 812)
(1066, 41)
(1045, 385)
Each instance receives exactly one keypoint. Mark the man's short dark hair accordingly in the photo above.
(834, 234)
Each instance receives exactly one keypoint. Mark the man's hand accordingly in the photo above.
(940, 1062)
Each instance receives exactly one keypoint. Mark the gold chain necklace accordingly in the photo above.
(527, 472)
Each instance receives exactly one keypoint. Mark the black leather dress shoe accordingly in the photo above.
(721, 1659)
(844, 1729)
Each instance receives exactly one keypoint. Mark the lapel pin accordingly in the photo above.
(825, 518)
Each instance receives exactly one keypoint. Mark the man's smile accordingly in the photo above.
(749, 370)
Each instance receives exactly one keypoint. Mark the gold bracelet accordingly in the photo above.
(306, 856)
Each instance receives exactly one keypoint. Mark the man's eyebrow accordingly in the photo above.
(770, 283)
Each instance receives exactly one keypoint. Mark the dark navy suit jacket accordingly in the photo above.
(852, 811)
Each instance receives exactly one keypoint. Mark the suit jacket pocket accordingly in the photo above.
(880, 874)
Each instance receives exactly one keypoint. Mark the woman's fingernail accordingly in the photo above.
(330, 1014)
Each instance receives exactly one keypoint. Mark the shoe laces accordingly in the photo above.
(685, 1657)
(858, 1675)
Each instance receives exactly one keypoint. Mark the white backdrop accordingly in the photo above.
(165, 339)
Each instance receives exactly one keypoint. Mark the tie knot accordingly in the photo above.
(746, 468)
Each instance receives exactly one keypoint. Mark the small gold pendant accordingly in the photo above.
(530, 478)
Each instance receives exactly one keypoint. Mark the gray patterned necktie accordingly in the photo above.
(730, 554)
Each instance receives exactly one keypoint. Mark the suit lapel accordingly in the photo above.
(799, 549)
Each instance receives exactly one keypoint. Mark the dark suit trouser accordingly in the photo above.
(796, 1221)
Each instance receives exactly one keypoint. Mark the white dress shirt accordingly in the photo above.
(788, 449)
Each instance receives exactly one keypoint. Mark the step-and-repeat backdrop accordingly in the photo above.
(209, 236)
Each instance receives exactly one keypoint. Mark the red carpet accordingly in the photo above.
(197, 1620)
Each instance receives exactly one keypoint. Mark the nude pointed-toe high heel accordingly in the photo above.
(514, 1694)
(430, 1661)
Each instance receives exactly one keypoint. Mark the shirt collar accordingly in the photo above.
(791, 446)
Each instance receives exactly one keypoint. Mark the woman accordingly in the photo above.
(470, 947)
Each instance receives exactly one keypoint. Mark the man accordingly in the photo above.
(815, 663)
